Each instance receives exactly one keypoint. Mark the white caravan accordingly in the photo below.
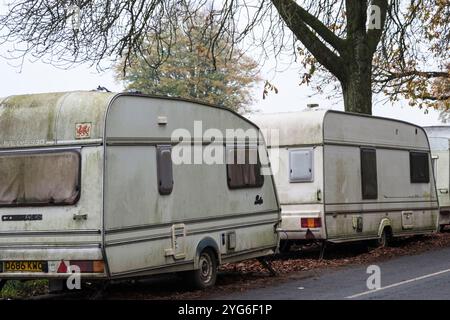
(89, 183)
(344, 177)
(439, 137)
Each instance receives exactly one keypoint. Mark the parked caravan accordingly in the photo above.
(89, 183)
(439, 141)
(344, 177)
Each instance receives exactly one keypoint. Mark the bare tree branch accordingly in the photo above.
(293, 15)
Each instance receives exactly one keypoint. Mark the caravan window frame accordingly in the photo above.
(364, 183)
(76, 151)
(292, 152)
(414, 177)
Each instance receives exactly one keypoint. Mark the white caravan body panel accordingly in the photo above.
(334, 190)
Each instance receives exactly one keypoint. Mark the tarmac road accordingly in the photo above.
(424, 276)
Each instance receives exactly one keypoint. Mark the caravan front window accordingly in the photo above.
(45, 178)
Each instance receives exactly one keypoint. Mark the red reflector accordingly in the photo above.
(62, 267)
(311, 223)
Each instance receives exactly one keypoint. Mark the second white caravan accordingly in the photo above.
(439, 137)
(345, 177)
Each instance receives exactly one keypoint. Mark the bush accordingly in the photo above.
(15, 289)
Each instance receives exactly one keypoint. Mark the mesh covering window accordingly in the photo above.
(40, 179)
(419, 168)
(244, 168)
(369, 174)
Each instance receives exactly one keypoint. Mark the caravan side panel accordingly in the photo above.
(406, 206)
(151, 232)
(441, 167)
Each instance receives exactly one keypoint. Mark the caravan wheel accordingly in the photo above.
(383, 241)
(205, 276)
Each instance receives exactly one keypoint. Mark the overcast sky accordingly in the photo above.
(36, 77)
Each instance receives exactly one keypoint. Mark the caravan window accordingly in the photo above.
(165, 170)
(369, 174)
(419, 169)
(244, 168)
(50, 178)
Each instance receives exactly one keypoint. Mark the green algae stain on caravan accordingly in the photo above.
(34, 114)
(80, 186)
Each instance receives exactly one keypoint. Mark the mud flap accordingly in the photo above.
(309, 235)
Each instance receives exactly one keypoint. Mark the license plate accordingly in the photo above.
(24, 266)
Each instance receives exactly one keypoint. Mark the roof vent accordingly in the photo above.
(312, 105)
(101, 89)
(134, 91)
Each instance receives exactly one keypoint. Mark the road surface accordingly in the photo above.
(423, 276)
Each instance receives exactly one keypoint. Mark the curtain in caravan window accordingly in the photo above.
(11, 177)
(40, 179)
(243, 168)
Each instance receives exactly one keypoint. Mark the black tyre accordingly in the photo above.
(383, 241)
(205, 276)
(442, 228)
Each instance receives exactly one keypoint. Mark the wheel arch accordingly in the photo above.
(385, 223)
(205, 243)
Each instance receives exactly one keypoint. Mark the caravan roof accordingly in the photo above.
(312, 127)
(439, 137)
(48, 119)
(40, 120)
(438, 131)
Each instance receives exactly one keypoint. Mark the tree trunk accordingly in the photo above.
(357, 91)
(357, 82)
(349, 59)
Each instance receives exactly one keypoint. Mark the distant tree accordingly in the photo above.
(189, 71)
(414, 62)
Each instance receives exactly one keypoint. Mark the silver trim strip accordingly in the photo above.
(50, 233)
(122, 242)
(186, 221)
